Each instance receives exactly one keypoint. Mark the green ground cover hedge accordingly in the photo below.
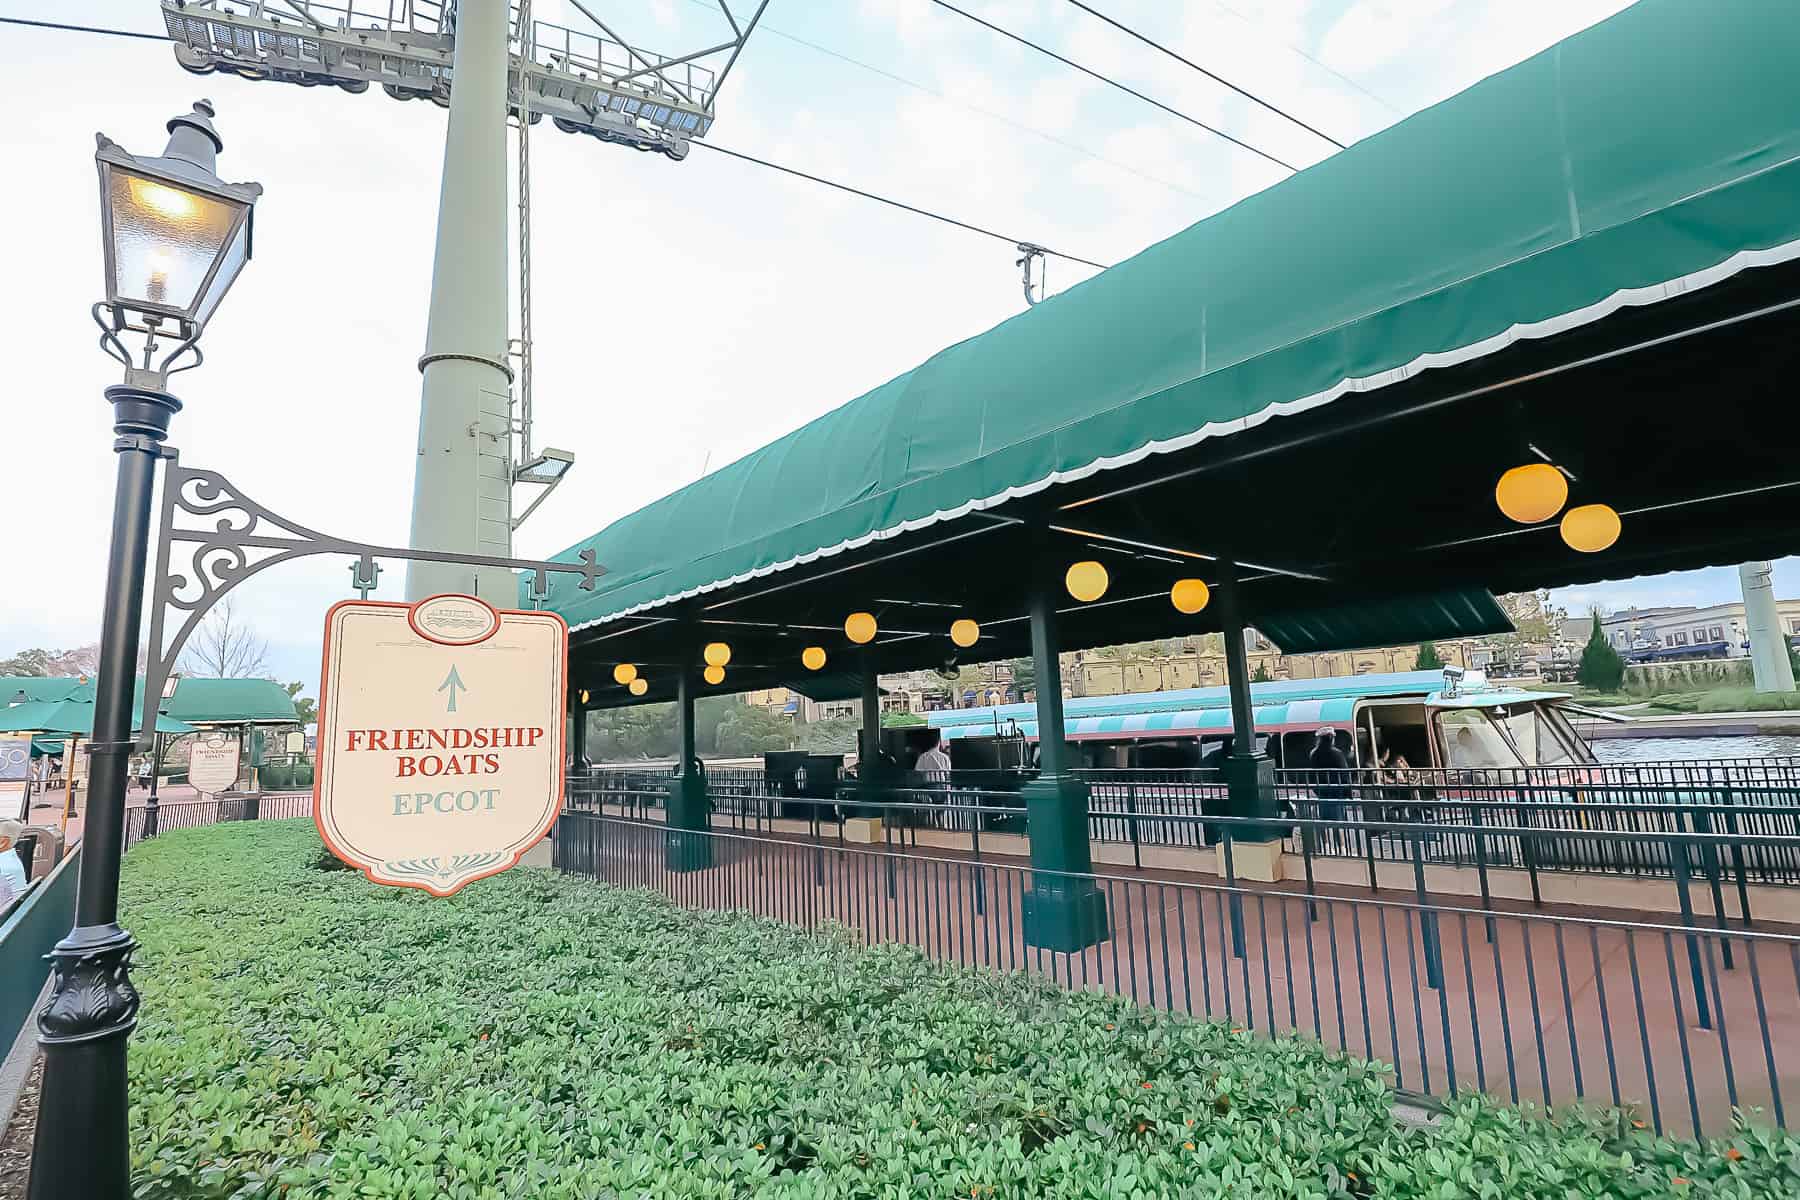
(306, 1034)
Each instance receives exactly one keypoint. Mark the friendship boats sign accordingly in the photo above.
(440, 749)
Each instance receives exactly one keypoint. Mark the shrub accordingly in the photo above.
(306, 1034)
(1601, 667)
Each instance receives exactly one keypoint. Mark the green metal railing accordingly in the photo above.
(43, 916)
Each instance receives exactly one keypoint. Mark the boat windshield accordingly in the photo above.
(1540, 744)
(1473, 741)
(1529, 734)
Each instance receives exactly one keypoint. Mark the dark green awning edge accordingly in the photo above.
(1389, 621)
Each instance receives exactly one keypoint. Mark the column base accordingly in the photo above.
(687, 846)
(1253, 862)
(1065, 915)
(1063, 910)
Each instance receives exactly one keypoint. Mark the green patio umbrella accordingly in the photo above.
(74, 716)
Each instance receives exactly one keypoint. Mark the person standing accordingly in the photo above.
(933, 767)
(1331, 776)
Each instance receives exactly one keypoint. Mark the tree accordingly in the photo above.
(747, 729)
(304, 707)
(1024, 675)
(1428, 659)
(38, 663)
(834, 735)
(1262, 673)
(226, 646)
(901, 720)
(1601, 667)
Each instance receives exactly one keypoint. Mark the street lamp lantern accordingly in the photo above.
(175, 237)
(174, 234)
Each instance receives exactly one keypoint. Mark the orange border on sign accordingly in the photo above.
(325, 700)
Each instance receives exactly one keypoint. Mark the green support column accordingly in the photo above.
(578, 759)
(1249, 776)
(688, 807)
(870, 749)
(870, 779)
(1063, 909)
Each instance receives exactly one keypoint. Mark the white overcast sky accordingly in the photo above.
(685, 313)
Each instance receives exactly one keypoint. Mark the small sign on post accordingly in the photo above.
(440, 746)
(213, 763)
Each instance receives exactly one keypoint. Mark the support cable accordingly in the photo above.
(1113, 83)
(1219, 79)
(738, 154)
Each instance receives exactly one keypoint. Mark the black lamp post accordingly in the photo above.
(175, 239)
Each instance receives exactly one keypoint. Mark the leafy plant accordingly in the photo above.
(1428, 658)
(307, 1035)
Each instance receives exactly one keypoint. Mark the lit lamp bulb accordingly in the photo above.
(859, 627)
(1086, 581)
(1532, 493)
(624, 673)
(584, 695)
(965, 633)
(813, 657)
(639, 686)
(160, 264)
(717, 654)
(1590, 528)
(714, 675)
(1190, 595)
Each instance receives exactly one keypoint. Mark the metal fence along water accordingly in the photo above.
(1682, 1017)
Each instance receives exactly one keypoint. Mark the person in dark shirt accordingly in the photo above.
(1331, 783)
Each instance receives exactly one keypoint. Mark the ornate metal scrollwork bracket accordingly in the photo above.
(228, 538)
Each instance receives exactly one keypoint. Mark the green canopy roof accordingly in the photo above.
(196, 700)
(229, 701)
(74, 715)
(1651, 155)
(38, 687)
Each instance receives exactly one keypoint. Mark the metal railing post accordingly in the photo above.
(1678, 857)
(1307, 833)
(1428, 928)
(975, 849)
(1709, 859)
(1137, 858)
(1737, 858)
(1234, 901)
(1481, 870)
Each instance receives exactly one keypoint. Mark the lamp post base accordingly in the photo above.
(79, 1148)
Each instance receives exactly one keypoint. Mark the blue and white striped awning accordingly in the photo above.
(1270, 718)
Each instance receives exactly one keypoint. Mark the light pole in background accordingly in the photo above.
(175, 237)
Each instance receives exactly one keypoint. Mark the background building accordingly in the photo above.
(1717, 630)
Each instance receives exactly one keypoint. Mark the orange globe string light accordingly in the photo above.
(1532, 493)
(1590, 528)
(860, 628)
(624, 673)
(965, 633)
(813, 657)
(1086, 581)
(1190, 595)
(714, 675)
